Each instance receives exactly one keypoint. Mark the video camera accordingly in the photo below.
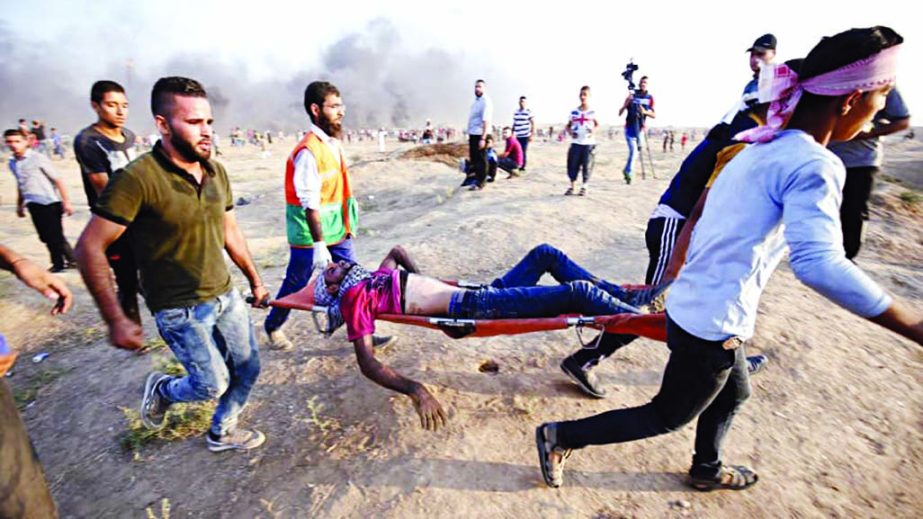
(628, 74)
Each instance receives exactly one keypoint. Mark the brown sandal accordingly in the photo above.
(731, 477)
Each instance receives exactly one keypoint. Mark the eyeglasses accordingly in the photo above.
(339, 107)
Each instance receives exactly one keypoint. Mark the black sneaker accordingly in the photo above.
(153, 405)
(756, 363)
(584, 378)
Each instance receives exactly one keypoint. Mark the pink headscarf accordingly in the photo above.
(779, 85)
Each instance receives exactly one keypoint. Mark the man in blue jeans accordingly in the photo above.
(639, 105)
(361, 296)
(178, 204)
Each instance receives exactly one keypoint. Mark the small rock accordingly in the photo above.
(680, 503)
(243, 201)
(489, 366)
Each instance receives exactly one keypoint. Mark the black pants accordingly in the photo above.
(609, 344)
(478, 158)
(47, 221)
(660, 237)
(122, 261)
(701, 379)
(578, 159)
(524, 144)
(855, 208)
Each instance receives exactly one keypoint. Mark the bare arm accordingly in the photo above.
(399, 257)
(902, 320)
(94, 268)
(98, 181)
(895, 126)
(38, 279)
(428, 408)
(624, 106)
(20, 204)
(65, 197)
(314, 225)
(236, 245)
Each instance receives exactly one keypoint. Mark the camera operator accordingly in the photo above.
(640, 106)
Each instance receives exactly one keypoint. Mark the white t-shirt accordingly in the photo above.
(582, 123)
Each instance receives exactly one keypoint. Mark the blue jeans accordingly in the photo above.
(507, 164)
(298, 274)
(216, 344)
(634, 142)
(524, 144)
(516, 294)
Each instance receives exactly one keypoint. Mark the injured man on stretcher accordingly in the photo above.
(397, 288)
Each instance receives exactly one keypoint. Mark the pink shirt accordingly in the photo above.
(514, 150)
(361, 304)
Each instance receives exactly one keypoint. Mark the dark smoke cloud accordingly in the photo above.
(383, 82)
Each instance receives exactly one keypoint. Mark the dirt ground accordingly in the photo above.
(834, 426)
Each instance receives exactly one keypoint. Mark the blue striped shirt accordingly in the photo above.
(521, 126)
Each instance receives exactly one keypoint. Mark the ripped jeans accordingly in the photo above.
(215, 342)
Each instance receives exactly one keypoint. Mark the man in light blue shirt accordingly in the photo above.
(479, 117)
(786, 189)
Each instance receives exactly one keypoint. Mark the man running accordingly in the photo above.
(783, 190)
(101, 149)
(41, 191)
(179, 207)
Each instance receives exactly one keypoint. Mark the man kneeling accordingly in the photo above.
(360, 296)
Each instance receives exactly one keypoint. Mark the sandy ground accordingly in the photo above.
(834, 426)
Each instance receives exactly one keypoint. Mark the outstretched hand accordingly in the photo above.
(431, 414)
(46, 284)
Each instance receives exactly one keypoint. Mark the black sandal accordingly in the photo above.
(553, 473)
(569, 191)
(731, 477)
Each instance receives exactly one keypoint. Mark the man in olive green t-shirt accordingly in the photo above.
(178, 204)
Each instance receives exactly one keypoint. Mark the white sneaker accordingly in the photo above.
(278, 341)
(238, 439)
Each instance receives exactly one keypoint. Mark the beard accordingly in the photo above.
(186, 149)
(330, 128)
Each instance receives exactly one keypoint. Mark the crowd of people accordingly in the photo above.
(163, 219)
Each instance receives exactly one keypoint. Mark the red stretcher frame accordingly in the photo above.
(653, 326)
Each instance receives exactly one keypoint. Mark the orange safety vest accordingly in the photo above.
(339, 212)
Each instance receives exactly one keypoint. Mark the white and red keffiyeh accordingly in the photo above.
(779, 85)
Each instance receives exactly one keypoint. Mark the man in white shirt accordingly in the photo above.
(321, 213)
(479, 118)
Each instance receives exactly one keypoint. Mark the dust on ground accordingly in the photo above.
(833, 425)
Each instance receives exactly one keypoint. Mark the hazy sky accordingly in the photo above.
(693, 51)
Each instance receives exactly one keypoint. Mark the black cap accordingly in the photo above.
(763, 43)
